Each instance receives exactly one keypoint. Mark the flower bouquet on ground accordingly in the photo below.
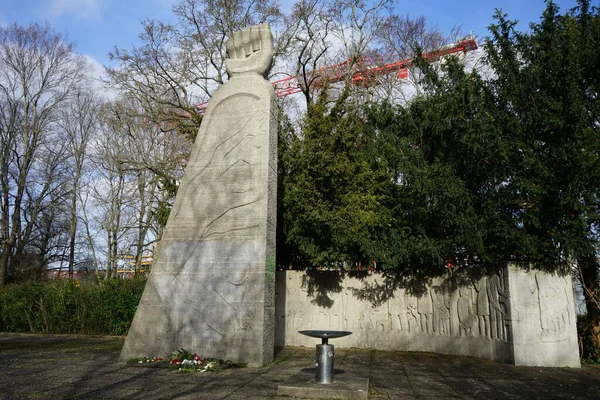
(185, 361)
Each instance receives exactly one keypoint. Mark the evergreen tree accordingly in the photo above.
(547, 89)
(523, 146)
(336, 188)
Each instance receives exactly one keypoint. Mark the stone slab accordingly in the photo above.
(346, 385)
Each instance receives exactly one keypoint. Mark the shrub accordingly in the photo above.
(67, 306)
(588, 349)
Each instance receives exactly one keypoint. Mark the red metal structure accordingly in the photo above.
(364, 71)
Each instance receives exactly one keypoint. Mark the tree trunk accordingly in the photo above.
(142, 229)
(90, 239)
(4, 259)
(4, 213)
(73, 223)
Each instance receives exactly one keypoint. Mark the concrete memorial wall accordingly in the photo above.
(211, 289)
(512, 315)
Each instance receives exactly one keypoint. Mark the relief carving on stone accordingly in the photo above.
(553, 300)
(477, 309)
(425, 311)
(398, 311)
(441, 311)
(467, 317)
(492, 296)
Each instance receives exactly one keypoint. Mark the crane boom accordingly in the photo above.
(364, 71)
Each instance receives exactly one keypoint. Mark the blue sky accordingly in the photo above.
(98, 25)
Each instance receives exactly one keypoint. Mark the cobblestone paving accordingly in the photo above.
(86, 367)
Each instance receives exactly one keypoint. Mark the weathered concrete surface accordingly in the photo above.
(87, 367)
(509, 315)
(211, 289)
(543, 321)
(347, 386)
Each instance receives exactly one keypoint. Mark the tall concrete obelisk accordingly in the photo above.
(211, 289)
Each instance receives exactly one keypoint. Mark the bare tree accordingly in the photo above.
(111, 190)
(77, 122)
(42, 239)
(148, 164)
(341, 40)
(38, 71)
(399, 38)
(136, 163)
(399, 35)
(89, 233)
(309, 29)
(179, 66)
(358, 23)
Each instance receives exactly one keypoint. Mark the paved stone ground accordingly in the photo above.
(86, 367)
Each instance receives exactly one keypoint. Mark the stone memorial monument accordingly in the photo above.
(212, 285)
(211, 289)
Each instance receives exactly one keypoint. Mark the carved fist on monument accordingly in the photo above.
(250, 51)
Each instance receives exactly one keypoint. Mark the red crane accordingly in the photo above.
(364, 71)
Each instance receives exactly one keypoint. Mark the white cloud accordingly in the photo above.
(81, 9)
(98, 76)
(97, 69)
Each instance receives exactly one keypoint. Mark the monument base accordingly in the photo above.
(346, 385)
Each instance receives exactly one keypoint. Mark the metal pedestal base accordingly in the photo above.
(325, 359)
(325, 353)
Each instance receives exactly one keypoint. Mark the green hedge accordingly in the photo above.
(589, 351)
(66, 306)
